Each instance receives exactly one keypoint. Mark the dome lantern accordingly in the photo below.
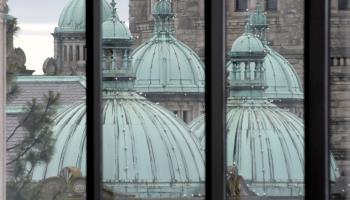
(163, 15)
(247, 75)
(258, 22)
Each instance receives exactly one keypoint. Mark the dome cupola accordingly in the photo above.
(163, 63)
(256, 70)
(247, 45)
(72, 18)
(113, 28)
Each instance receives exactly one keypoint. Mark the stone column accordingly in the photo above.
(2, 100)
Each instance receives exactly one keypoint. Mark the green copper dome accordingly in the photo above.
(266, 144)
(247, 44)
(164, 64)
(146, 149)
(72, 18)
(113, 28)
(280, 80)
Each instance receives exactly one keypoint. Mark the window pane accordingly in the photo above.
(271, 4)
(45, 108)
(265, 116)
(343, 5)
(339, 102)
(241, 5)
(153, 93)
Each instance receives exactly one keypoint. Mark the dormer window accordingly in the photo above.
(343, 5)
(241, 5)
(271, 5)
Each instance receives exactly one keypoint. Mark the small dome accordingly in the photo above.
(72, 18)
(247, 43)
(163, 7)
(144, 146)
(113, 28)
(164, 64)
(266, 143)
(282, 80)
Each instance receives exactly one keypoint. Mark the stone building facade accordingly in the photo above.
(286, 36)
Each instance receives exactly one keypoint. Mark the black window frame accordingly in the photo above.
(316, 99)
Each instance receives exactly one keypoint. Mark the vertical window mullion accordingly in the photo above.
(93, 93)
(215, 98)
(316, 99)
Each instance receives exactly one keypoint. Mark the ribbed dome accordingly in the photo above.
(72, 18)
(247, 43)
(281, 78)
(146, 149)
(113, 28)
(164, 64)
(266, 143)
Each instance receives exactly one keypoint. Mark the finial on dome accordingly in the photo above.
(163, 15)
(114, 9)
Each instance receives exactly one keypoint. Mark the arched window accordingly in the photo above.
(241, 5)
(271, 4)
(343, 5)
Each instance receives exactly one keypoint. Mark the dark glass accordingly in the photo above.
(241, 5)
(343, 5)
(271, 5)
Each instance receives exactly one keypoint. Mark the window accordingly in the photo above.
(241, 5)
(343, 5)
(121, 175)
(271, 5)
(77, 53)
(65, 57)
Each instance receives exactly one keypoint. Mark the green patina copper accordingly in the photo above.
(114, 28)
(73, 18)
(165, 64)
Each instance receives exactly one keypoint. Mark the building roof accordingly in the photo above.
(72, 17)
(71, 89)
(144, 145)
(266, 143)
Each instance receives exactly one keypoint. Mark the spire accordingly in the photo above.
(163, 15)
(114, 9)
(258, 22)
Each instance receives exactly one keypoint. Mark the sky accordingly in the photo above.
(37, 20)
